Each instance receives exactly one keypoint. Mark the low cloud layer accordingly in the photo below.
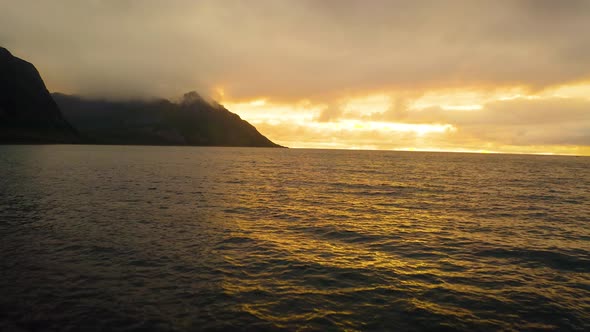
(297, 49)
(519, 121)
(521, 124)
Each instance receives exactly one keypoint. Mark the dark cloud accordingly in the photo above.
(297, 49)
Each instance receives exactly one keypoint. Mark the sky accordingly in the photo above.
(477, 76)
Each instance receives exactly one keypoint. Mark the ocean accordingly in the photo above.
(143, 238)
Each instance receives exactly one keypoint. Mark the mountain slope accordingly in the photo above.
(28, 114)
(193, 121)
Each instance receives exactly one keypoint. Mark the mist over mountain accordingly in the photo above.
(28, 114)
(191, 121)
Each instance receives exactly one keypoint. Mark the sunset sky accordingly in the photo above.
(488, 76)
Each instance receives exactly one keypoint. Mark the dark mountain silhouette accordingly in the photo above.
(192, 121)
(28, 114)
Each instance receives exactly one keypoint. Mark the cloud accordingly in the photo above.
(297, 49)
(551, 121)
(295, 54)
(502, 125)
(520, 121)
(330, 113)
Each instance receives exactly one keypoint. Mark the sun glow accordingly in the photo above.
(383, 127)
(259, 102)
(262, 111)
(439, 120)
(461, 107)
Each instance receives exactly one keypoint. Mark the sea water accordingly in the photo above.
(129, 238)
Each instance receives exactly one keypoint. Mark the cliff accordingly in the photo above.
(28, 113)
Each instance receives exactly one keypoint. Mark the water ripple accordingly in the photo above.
(182, 239)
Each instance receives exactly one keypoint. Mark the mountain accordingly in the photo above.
(28, 114)
(192, 121)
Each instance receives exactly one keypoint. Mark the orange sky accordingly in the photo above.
(488, 76)
(552, 121)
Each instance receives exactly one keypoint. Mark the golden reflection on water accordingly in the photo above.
(306, 251)
(317, 240)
